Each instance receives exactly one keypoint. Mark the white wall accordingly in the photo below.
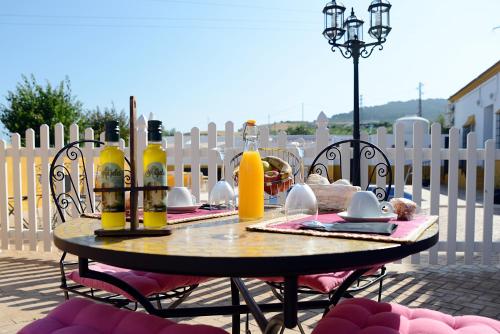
(475, 102)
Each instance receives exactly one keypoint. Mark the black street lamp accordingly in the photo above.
(354, 47)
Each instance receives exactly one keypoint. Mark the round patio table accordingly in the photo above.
(224, 248)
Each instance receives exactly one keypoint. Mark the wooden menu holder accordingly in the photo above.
(134, 230)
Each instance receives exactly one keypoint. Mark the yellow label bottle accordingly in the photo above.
(251, 177)
(155, 174)
(111, 160)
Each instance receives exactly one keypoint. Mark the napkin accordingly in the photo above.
(368, 227)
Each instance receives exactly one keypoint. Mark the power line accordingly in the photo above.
(233, 5)
(155, 18)
(204, 27)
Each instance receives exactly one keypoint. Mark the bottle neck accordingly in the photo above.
(250, 136)
(112, 143)
(154, 143)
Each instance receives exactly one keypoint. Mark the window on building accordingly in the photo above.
(497, 130)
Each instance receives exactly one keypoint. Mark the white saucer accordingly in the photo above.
(382, 218)
(183, 209)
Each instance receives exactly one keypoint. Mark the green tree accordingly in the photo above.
(30, 105)
(301, 129)
(96, 118)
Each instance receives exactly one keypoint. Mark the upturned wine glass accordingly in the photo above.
(301, 201)
(222, 194)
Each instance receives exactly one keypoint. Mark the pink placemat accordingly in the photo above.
(406, 232)
(177, 218)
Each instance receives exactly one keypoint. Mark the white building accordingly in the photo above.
(409, 122)
(476, 107)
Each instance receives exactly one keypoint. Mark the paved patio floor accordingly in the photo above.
(29, 289)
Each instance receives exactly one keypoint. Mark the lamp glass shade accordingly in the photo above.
(354, 28)
(334, 20)
(379, 19)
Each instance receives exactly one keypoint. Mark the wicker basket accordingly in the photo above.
(273, 187)
(333, 197)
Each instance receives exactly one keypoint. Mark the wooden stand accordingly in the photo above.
(134, 230)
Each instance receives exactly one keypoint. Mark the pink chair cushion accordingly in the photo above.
(146, 283)
(365, 316)
(82, 316)
(324, 283)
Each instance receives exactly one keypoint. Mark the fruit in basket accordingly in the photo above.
(278, 175)
(267, 167)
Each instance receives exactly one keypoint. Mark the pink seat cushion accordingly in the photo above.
(145, 282)
(82, 316)
(324, 283)
(365, 316)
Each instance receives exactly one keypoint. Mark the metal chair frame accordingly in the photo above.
(71, 196)
(368, 151)
(383, 169)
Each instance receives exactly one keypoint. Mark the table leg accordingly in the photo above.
(235, 301)
(290, 299)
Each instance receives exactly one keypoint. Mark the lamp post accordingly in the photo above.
(354, 47)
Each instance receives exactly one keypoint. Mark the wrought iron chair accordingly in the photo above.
(328, 283)
(333, 152)
(75, 196)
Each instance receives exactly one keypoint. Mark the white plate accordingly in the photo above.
(183, 209)
(382, 218)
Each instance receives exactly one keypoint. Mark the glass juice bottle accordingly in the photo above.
(111, 160)
(251, 177)
(155, 174)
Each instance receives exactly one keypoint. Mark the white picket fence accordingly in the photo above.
(17, 207)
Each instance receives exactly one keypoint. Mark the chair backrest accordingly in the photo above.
(73, 193)
(380, 165)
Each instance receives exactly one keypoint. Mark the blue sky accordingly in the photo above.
(191, 62)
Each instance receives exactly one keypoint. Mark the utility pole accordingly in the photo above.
(420, 85)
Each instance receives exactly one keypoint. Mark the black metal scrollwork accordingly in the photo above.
(74, 193)
(382, 167)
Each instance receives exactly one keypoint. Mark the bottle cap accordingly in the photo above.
(111, 131)
(154, 130)
(251, 122)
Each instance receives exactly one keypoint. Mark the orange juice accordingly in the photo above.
(251, 177)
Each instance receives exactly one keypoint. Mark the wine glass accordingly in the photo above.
(301, 201)
(222, 194)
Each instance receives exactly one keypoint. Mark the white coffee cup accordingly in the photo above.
(364, 204)
(180, 196)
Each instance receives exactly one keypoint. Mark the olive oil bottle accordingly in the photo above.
(155, 174)
(111, 160)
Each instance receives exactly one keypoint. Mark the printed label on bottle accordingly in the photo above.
(155, 200)
(112, 177)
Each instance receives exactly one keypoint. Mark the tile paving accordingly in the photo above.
(29, 289)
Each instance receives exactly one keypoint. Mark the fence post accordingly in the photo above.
(59, 143)
(178, 160)
(382, 144)
(488, 197)
(470, 197)
(229, 142)
(18, 186)
(88, 154)
(142, 143)
(195, 162)
(75, 169)
(451, 237)
(399, 161)
(435, 181)
(212, 155)
(46, 197)
(30, 170)
(322, 141)
(4, 206)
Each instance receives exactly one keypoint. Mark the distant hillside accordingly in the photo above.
(431, 108)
